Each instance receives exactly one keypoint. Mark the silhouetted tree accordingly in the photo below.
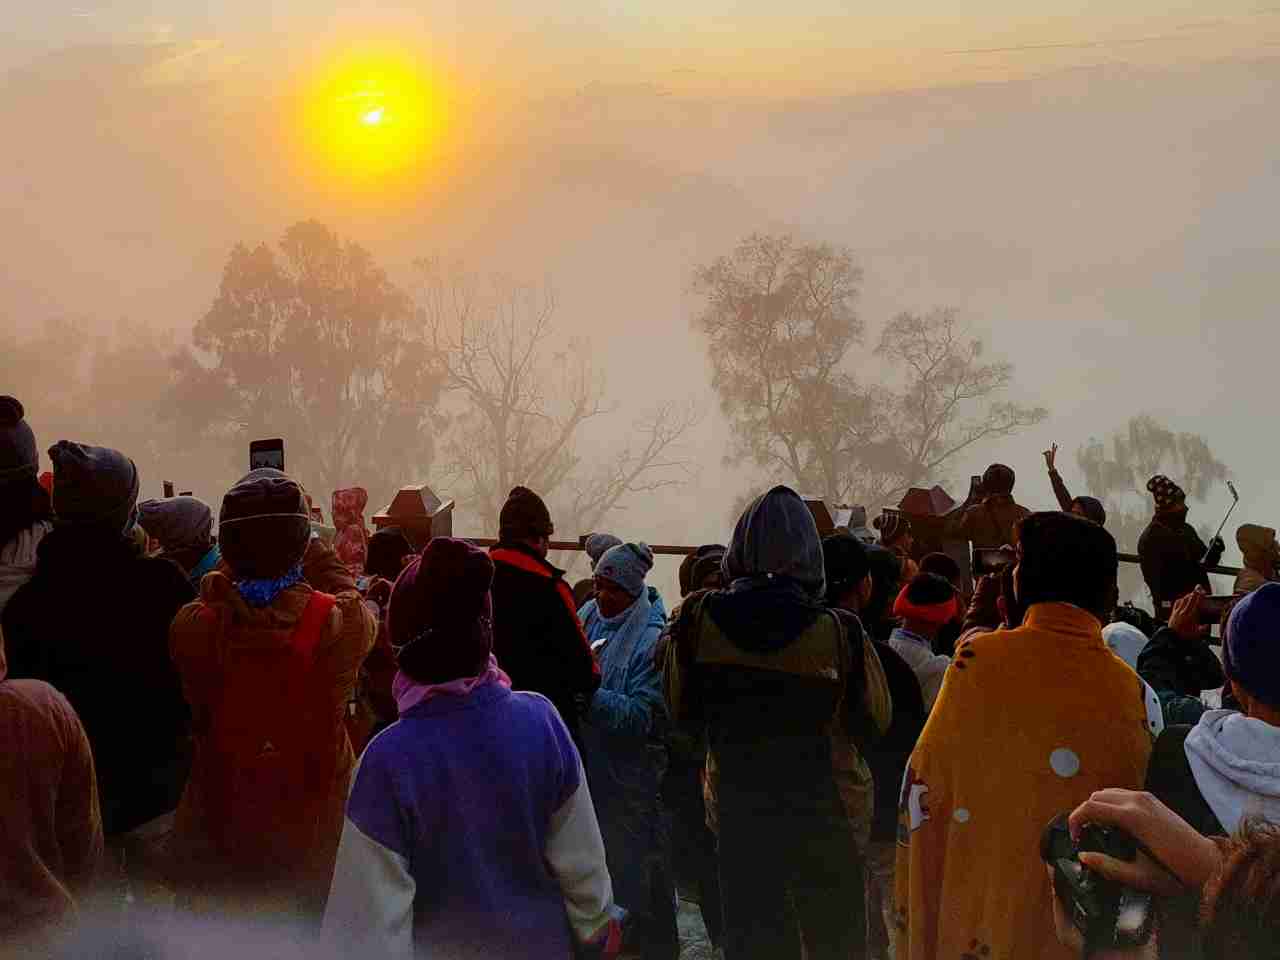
(782, 328)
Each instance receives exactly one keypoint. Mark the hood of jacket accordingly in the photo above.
(1236, 764)
(1258, 546)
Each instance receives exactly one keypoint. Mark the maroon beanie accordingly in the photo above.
(440, 619)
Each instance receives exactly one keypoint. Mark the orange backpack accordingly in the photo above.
(271, 752)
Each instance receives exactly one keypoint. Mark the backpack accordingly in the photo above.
(271, 751)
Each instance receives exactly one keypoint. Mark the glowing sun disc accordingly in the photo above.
(373, 117)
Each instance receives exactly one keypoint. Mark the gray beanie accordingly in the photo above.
(626, 565)
(598, 544)
(17, 442)
(94, 485)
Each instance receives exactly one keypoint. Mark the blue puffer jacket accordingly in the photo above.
(624, 742)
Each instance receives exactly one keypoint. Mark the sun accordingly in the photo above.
(373, 118)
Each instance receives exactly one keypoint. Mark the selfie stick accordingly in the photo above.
(1235, 499)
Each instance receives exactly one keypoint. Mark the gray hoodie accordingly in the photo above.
(1236, 764)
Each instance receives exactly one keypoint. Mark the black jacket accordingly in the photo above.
(94, 622)
(1178, 671)
(538, 638)
(1171, 556)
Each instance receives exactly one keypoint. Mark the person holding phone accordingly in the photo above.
(992, 514)
(1173, 557)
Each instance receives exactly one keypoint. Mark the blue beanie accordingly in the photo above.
(598, 544)
(1253, 644)
(626, 565)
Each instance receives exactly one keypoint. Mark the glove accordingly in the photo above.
(1214, 554)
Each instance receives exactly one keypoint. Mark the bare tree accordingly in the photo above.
(521, 403)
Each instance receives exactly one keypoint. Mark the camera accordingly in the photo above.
(987, 560)
(1108, 915)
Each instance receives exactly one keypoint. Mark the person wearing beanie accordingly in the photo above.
(759, 671)
(26, 513)
(923, 607)
(598, 544)
(990, 515)
(1261, 557)
(1174, 559)
(184, 528)
(538, 637)
(888, 694)
(1090, 508)
(623, 731)
(94, 623)
(712, 553)
(268, 665)
(1031, 721)
(470, 829)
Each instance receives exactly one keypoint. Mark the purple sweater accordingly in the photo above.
(470, 833)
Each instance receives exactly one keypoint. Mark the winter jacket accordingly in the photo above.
(538, 638)
(1170, 555)
(202, 633)
(50, 824)
(94, 623)
(624, 743)
(1179, 671)
(470, 833)
(18, 559)
(1030, 722)
(989, 523)
(1258, 549)
(930, 668)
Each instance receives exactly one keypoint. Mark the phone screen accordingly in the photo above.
(266, 453)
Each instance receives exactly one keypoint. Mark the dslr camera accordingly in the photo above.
(1108, 915)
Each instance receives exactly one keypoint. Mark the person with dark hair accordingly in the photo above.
(991, 518)
(470, 830)
(896, 537)
(1016, 737)
(268, 664)
(184, 528)
(26, 513)
(1173, 557)
(94, 623)
(538, 637)
(389, 553)
(849, 586)
(762, 671)
(924, 607)
(707, 573)
(886, 581)
(940, 564)
(1090, 508)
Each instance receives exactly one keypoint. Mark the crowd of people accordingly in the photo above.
(410, 747)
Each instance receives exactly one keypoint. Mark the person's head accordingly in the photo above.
(178, 523)
(19, 457)
(895, 531)
(1251, 653)
(998, 480)
(1257, 546)
(440, 618)
(525, 519)
(94, 486)
(1090, 508)
(263, 526)
(708, 573)
(1169, 498)
(886, 579)
(1126, 641)
(598, 544)
(687, 582)
(1240, 909)
(848, 571)
(776, 540)
(1063, 558)
(926, 604)
(943, 566)
(620, 577)
(389, 552)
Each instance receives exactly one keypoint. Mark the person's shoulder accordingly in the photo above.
(163, 573)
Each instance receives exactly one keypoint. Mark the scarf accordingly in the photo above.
(263, 593)
(409, 693)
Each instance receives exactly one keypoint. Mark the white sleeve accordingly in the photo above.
(575, 855)
(370, 911)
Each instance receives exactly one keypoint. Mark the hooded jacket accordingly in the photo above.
(18, 559)
(1236, 763)
(94, 623)
(1258, 548)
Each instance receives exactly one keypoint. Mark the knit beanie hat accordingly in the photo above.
(263, 527)
(1092, 509)
(691, 560)
(998, 480)
(93, 485)
(710, 563)
(1167, 494)
(927, 597)
(524, 517)
(1253, 644)
(846, 562)
(177, 522)
(440, 619)
(626, 565)
(598, 544)
(18, 454)
(893, 526)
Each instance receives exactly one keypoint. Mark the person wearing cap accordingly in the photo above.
(244, 619)
(1030, 722)
(991, 515)
(26, 513)
(184, 528)
(1174, 559)
(1260, 557)
(94, 622)
(470, 829)
(538, 637)
(923, 607)
(624, 741)
(760, 670)
(1090, 508)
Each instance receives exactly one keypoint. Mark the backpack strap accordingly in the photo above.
(306, 635)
